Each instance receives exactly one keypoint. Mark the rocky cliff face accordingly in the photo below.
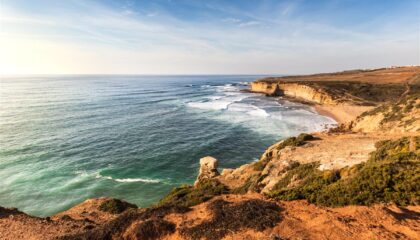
(208, 169)
(294, 90)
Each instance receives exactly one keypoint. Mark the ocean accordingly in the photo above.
(64, 139)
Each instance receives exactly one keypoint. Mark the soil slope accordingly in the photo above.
(212, 220)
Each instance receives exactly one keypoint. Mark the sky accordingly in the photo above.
(206, 37)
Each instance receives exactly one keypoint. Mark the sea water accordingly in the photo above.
(64, 139)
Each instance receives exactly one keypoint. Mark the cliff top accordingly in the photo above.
(374, 76)
(250, 216)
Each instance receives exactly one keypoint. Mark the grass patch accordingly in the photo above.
(228, 217)
(115, 206)
(391, 175)
(189, 196)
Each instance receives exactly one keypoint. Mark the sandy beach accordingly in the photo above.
(341, 113)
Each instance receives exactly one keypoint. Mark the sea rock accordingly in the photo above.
(208, 169)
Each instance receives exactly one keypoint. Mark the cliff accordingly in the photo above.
(343, 95)
(363, 199)
(357, 181)
(294, 90)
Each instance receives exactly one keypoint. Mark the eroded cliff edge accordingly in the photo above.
(344, 95)
(358, 181)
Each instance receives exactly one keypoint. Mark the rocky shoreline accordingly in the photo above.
(357, 181)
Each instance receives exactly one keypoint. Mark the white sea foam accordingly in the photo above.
(210, 105)
(227, 89)
(137, 180)
(214, 97)
(217, 102)
(248, 109)
(258, 112)
(145, 180)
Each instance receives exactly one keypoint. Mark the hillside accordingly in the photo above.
(396, 75)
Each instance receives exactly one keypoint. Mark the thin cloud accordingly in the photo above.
(149, 41)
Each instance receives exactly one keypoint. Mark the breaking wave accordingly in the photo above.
(128, 180)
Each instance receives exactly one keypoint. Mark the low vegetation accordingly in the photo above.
(152, 229)
(189, 195)
(260, 165)
(391, 175)
(252, 184)
(230, 217)
(117, 225)
(292, 141)
(115, 206)
(295, 141)
(107, 230)
(395, 111)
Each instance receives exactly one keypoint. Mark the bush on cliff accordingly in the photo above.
(395, 111)
(390, 175)
(230, 217)
(292, 141)
(253, 183)
(189, 195)
(295, 141)
(115, 206)
(152, 229)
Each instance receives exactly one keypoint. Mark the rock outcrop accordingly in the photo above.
(208, 169)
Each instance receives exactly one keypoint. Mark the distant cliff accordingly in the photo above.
(344, 95)
(294, 90)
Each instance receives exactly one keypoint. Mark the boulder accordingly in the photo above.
(208, 169)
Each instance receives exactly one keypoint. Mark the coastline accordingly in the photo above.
(258, 200)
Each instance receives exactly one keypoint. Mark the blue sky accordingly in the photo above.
(206, 37)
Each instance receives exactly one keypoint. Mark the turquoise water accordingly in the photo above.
(64, 139)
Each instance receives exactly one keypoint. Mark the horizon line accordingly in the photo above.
(198, 74)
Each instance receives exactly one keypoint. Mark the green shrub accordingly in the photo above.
(394, 111)
(253, 183)
(153, 229)
(115, 206)
(292, 141)
(392, 174)
(189, 196)
(229, 217)
(260, 165)
(295, 141)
